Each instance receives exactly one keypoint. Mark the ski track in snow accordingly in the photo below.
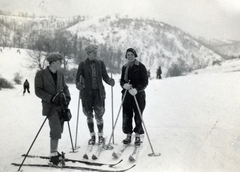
(193, 121)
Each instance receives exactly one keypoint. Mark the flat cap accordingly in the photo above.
(91, 48)
(54, 57)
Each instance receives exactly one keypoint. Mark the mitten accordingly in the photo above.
(112, 82)
(133, 91)
(127, 86)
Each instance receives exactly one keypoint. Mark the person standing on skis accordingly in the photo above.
(50, 86)
(89, 78)
(134, 80)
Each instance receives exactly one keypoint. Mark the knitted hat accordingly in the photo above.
(91, 48)
(54, 57)
(131, 50)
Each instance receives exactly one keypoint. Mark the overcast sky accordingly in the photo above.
(208, 18)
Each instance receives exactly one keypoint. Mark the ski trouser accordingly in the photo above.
(130, 110)
(96, 104)
(55, 123)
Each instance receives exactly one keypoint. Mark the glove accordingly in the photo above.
(80, 86)
(112, 82)
(133, 91)
(127, 86)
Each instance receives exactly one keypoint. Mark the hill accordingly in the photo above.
(157, 43)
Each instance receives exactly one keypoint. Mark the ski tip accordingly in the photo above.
(131, 167)
(112, 165)
(131, 158)
(94, 157)
(85, 156)
(115, 155)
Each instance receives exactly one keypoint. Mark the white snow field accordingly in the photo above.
(193, 121)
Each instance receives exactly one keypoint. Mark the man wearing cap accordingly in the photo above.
(89, 78)
(50, 86)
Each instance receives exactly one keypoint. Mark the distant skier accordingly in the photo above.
(134, 80)
(159, 72)
(26, 86)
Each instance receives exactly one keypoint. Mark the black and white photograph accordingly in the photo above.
(117, 85)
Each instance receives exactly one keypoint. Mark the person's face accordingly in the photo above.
(57, 64)
(93, 54)
(130, 56)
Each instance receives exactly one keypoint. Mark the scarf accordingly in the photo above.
(129, 64)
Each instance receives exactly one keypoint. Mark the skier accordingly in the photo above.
(159, 72)
(89, 78)
(26, 86)
(51, 87)
(133, 80)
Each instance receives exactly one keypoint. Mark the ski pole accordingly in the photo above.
(112, 110)
(106, 147)
(71, 138)
(33, 141)
(19, 92)
(139, 111)
(77, 147)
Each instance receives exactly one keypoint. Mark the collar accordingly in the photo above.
(135, 62)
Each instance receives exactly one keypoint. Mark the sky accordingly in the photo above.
(218, 19)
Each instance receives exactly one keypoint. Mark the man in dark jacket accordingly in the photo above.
(50, 86)
(89, 78)
(134, 80)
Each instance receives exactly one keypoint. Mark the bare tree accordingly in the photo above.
(37, 59)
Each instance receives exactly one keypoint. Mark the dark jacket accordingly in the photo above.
(84, 70)
(26, 83)
(137, 75)
(45, 88)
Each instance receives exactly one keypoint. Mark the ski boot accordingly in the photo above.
(101, 140)
(92, 140)
(127, 140)
(57, 159)
(137, 141)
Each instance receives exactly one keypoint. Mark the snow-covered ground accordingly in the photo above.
(193, 121)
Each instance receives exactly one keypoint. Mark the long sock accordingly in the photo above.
(91, 127)
(100, 128)
(53, 145)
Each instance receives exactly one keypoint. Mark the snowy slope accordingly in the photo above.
(193, 121)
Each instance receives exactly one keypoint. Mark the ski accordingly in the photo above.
(99, 150)
(75, 167)
(78, 161)
(120, 152)
(133, 156)
(88, 151)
